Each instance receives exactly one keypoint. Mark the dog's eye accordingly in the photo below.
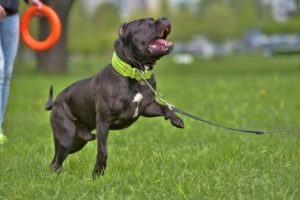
(143, 25)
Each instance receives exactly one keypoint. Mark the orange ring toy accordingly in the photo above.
(55, 26)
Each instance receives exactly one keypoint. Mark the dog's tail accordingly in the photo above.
(49, 103)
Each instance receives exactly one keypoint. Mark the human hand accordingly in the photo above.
(2, 12)
(38, 3)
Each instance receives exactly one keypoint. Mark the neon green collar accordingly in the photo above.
(126, 70)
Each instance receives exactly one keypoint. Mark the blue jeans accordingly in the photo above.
(9, 39)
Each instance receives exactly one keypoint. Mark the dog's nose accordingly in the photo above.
(163, 19)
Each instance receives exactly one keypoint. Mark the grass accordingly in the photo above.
(151, 159)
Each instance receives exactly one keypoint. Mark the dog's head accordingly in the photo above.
(144, 41)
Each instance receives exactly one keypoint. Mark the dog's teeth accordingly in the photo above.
(168, 43)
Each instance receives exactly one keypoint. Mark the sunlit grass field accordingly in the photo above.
(152, 159)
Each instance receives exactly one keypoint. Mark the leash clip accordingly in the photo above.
(171, 107)
(162, 100)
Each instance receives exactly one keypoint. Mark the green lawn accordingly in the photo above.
(153, 160)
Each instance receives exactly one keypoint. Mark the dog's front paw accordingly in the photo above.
(177, 122)
(98, 171)
(55, 168)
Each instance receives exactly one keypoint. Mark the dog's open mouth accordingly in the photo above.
(160, 44)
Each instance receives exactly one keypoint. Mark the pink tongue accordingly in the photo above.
(160, 45)
(160, 42)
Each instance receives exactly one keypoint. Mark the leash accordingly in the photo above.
(161, 99)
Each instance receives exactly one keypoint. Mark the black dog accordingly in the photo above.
(115, 97)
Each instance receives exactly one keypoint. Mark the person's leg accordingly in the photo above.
(3, 139)
(9, 35)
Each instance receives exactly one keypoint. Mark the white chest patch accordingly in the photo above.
(137, 99)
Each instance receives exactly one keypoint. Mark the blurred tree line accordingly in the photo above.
(219, 20)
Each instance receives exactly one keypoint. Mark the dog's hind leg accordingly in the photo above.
(60, 155)
(64, 131)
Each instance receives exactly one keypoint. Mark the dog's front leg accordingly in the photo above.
(155, 109)
(102, 129)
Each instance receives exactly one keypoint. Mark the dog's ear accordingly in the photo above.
(123, 31)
